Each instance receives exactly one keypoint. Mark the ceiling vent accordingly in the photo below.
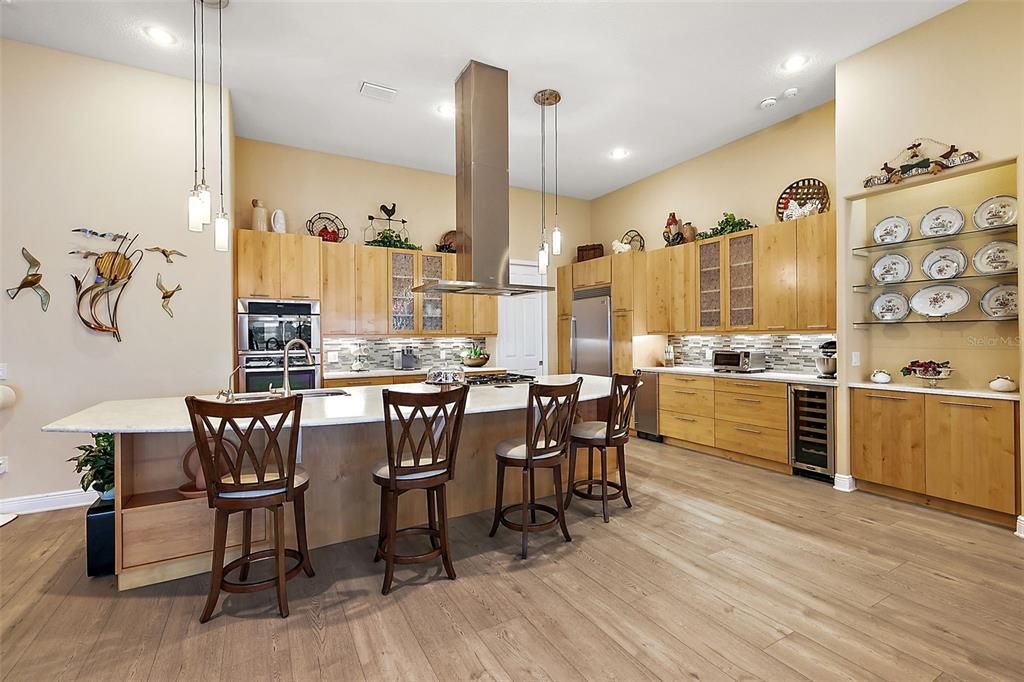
(377, 91)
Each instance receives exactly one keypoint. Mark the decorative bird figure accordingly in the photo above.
(887, 169)
(84, 254)
(949, 152)
(166, 253)
(32, 280)
(88, 232)
(913, 150)
(166, 294)
(389, 212)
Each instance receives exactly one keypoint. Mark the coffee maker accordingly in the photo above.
(826, 361)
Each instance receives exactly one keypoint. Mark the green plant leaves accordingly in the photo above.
(97, 463)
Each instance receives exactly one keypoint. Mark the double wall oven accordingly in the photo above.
(264, 328)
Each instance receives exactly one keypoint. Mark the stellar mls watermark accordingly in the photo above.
(994, 341)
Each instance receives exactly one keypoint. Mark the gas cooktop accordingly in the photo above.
(498, 378)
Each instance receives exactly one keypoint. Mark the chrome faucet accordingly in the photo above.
(287, 388)
(229, 393)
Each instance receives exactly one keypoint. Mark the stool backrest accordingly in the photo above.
(261, 460)
(550, 413)
(620, 407)
(422, 431)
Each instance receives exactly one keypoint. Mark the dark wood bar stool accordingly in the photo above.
(422, 432)
(258, 476)
(613, 432)
(550, 411)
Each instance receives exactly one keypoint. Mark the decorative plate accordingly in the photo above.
(891, 268)
(941, 221)
(940, 300)
(945, 263)
(890, 230)
(996, 257)
(891, 307)
(1000, 302)
(996, 211)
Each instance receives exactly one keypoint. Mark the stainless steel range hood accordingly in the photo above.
(481, 187)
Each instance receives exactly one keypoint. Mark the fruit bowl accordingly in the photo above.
(933, 376)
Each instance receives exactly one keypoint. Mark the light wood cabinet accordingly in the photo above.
(485, 315)
(563, 286)
(338, 299)
(751, 409)
(257, 264)
(683, 294)
(970, 451)
(710, 308)
(687, 427)
(622, 342)
(592, 273)
(887, 438)
(458, 307)
(300, 266)
(622, 281)
(415, 312)
(816, 271)
(686, 400)
(754, 440)
(564, 344)
(430, 308)
(659, 291)
(371, 290)
(777, 277)
(740, 280)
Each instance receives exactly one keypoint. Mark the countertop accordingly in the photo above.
(350, 374)
(953, 392)
(771, 375)
(362, 406)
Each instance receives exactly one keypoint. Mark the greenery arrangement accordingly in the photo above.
(727, 225)
(476, 352)
(390, 239)
(96, 463)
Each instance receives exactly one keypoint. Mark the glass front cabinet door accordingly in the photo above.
(401, 275)
(432, 313)
(709, 269)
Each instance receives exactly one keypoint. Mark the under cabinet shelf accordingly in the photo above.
(921, 241)
(865, 323)
(872, 286)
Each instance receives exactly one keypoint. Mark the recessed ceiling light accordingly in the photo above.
(445, 109)
(619, 153)
(160, 36)
(797, 62)
(768, 103)
(790, 93)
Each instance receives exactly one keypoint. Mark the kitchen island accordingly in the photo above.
(161, 535)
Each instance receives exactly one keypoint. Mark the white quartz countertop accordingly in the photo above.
(771, 375)
(369, 373)
(363, 405)
(953, 392)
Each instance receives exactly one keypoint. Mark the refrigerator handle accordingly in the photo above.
(572, 345)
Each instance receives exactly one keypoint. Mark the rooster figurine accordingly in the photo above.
(32, 280)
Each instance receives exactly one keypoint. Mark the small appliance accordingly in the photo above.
(826, 362)
(396, 358)
(743, 361)
(409, 359)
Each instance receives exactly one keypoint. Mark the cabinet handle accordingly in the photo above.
(952, 402)
(685, 392)
(885, 397)
(259, 295)
(684, 419)
(741, 383)
(740, 428)
(776, 326)
(683, 379)
(299, 296)
(817, 326)
(746, 400)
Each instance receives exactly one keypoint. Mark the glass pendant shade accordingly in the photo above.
(195, 211)
(207, 203)
(542, 258)
(556, 241)
(221, 232)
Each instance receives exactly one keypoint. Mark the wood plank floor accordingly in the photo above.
(720, 571)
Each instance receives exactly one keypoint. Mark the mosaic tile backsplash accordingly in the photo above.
(427, 349)
(783, 352)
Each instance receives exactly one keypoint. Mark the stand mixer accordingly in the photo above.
(826, 362)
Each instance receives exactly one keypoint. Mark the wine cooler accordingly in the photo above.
(811, 417)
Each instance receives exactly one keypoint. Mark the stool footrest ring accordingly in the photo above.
(252, 558)
(413, 558)
(613, 494)
(530, 527)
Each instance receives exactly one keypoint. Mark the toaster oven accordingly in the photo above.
(738, 361)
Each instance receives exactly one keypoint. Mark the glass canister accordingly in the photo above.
(446, 372)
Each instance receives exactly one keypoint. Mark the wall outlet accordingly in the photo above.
(855, 359)
(707, 354)
(333, 356)
(3, 465)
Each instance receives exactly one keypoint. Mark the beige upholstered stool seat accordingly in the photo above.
(515, 448)
(381, 472)
(589, 430)
(301, 479)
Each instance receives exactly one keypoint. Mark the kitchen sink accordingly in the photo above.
(310, 393)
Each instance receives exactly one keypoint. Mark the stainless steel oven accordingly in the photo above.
(262, 372)
(265, 326)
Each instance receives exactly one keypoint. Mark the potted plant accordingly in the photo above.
(391, 239)
(475, 357)
(96, 464)
(727, 225)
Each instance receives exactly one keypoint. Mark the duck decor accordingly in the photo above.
(166, 294)
(32, 280)
(923, 155)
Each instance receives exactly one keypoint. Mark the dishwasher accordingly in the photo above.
(646, 419)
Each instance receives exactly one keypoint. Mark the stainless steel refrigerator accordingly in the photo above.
(592, 332)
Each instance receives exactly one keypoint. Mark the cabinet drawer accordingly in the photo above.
(686, 427)
(756, 441)
(772, 389)
(686, 400)
(752, 410)
(686, 381)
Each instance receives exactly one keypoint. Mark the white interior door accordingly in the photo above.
(522, 324)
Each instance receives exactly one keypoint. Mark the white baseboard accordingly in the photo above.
(1020, 527)
(30, 504)
(844, 483)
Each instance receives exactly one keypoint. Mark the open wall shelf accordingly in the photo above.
(890, 246)
(874, 286)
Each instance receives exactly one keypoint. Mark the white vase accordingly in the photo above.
(107, 495)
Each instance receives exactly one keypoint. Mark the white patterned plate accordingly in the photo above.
(890, 307)
(1000, 302)
(940, 300)
(945, 263)
(996, 211)
(891, 268)
(996, 257)
(941, 221)
(890, 230)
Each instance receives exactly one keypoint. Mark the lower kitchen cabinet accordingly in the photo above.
(564, 345)
(754, 410)
(887, 438)
(970, 451)
(756, 441)
(688, 427)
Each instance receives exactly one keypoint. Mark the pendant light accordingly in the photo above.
(221, 227)
(199, 200)
(544, 99)
(556, 233)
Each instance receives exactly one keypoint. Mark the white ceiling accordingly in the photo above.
(668, 81)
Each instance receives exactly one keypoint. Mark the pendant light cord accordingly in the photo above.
(202, 87)
(556, 164)
(543, 177)
(220, 87)
(195, 100)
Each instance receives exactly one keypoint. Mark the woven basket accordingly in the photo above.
(589, 252)
(802, 191)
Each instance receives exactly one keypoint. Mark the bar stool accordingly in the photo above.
(422, 433)
(613, 432)
(259, 476)
(550, 411)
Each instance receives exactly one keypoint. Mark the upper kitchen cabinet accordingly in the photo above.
(432, 319)
(458, 307)
(402, 269)
(371, 290)
(563, 291)
(629, 287)
(683, 293)
(300, 266)
(338, 299)
(816, 271)
(485, 315)
(658, 278)
(258, 264)
(710, 308)
(776, 277)
(592, 273)
(740, 278)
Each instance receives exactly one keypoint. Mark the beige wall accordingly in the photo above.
(303, 182)
(909, 87)
(87, 142)
(744, 177)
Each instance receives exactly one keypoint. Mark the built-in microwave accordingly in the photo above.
(738, 361)
(266, 326)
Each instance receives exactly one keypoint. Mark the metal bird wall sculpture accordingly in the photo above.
(168, 254)
(114, 269)
(166, 294)
(32, 280)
